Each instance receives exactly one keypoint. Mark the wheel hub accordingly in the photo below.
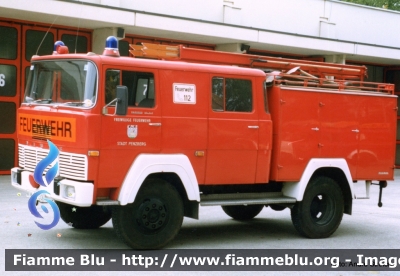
(153, 214)
(321, 209)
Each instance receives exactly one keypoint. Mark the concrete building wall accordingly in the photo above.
(303, 27)
(318, 18)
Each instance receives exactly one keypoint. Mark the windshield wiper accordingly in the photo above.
(85, 103)
(74, 103)
(43, 100)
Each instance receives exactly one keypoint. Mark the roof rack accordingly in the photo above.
(339, 85)
(317, 69)
(282, 71)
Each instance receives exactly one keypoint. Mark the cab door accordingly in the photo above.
(233, 132)
(123, 138)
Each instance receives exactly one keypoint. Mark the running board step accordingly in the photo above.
(245, 198)
(107, 202)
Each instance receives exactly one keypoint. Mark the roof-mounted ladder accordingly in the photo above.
(181, 53)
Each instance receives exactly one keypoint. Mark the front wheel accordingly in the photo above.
(153, 219)
(320, 212)
(242, 212)
(83, 217)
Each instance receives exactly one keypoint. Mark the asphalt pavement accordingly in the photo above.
(369, 227)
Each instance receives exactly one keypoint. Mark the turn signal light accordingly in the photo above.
(199, 153)
(94, 153)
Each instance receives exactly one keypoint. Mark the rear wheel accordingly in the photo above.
(242, 212)
(320, 212)
(153, 219)
(83, 217)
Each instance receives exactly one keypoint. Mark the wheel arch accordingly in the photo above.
(190, 207)
(335, 168)
(173, 168)
(340, 178)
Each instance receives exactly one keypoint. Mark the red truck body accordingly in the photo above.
(352, 125)
(192, 133)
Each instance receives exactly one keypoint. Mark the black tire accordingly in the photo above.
(242, 212)
(83, 217)
(320, 212)
(277, 207)
(153, 219)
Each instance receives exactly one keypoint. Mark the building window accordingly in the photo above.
(7, 153)
(71, 41)
(123, 47)
(38, 43)
(8, 116)
(8, 42)
(8, 80)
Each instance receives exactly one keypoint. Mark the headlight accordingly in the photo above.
(69, 192)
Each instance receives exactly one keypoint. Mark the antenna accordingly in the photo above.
(37, 51)
(79, 24)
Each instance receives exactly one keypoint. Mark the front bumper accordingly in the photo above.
(65, 190)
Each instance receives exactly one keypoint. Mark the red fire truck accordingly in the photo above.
(146, 140)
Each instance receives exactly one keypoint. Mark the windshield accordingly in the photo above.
(62, 82)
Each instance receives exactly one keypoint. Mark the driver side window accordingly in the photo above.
(141, 92)
(112, 80)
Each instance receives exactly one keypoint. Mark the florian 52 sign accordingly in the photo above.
(45, 180)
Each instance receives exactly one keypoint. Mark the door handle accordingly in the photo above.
(154, 124)
(253, 126)
(315, 128)
(355, 130)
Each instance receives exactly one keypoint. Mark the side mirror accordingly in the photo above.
(122, 102)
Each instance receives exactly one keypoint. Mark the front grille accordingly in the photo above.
(71, 165)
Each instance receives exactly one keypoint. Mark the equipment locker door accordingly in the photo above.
(340, 131)
(296, 131)
(377, 128)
